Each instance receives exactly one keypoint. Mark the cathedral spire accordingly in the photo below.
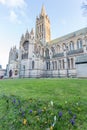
(42, 32)
(32, 31)
(43, 11)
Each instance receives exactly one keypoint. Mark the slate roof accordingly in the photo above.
(70, 35)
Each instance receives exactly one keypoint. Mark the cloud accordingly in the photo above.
(14, 17)
(14, 3)
(15, 8)
(2, 1)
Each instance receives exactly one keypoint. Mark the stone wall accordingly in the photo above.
(81, 70)
(81, 66)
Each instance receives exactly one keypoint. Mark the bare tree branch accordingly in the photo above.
(84, 7)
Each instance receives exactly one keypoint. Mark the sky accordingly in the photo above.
(16, 16)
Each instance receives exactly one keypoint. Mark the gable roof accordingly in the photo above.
(70, 35)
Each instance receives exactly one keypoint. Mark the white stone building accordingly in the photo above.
(39, 56)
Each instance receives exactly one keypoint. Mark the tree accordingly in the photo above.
(84, 7)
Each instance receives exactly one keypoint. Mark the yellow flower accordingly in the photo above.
(51, 128)
(45, 108)
(24, 121)
(79, 109)
(38, 118)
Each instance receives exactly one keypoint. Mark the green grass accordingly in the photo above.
(59, 91)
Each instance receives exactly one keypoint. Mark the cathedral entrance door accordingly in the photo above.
(10, 73)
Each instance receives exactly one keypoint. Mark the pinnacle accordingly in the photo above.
(43, 11)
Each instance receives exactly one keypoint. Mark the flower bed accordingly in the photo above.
(33, 114)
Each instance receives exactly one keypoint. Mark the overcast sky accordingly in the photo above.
(16, 16)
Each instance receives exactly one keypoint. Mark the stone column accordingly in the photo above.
(70, 63)
(84, 45)
(65, 59)
(74, 62)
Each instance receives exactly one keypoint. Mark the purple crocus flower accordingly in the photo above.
(60, 114)
(72, 121)
(30, 111)
(23, 113)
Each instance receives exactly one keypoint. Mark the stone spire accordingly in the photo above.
(22, 37)
(43, 11)
(42, 32)
(32, 31)
(27, 34)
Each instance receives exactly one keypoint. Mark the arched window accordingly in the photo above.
(79, 43)
(23, 67)
(72, 63)
(42, 51)
(16, 72)
(39, 49)
(58, 48)
(42, 27)
(47, 52)
(33, 64)
(53, 50)
(71, 46)
(26, 45)
(38, 29)
(63, 46)
(60, 65)
(63, 64)
(25, 56)
(55, 65)
(48, 65)
(68, 63)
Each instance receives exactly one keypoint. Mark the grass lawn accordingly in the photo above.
(67, 95)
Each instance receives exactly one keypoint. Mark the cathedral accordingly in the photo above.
(39, 56)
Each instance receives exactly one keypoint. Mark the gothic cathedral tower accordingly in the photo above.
(43, 27)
